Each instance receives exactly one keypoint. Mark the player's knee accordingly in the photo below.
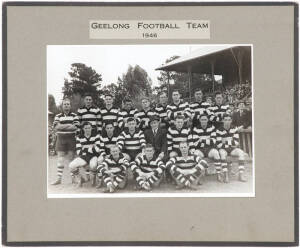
(137, 156)
(215, 154)
(73, 165)
(100, 159)
(93, 165)
(223, 154)
(199, 153)
(126, 156)
(122, 184)
(173, 154)
(241, 155)
(61, 159)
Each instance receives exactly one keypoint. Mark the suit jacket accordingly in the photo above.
(243, 119)
(159, 141)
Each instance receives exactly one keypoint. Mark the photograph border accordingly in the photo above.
(161, 194)
(148, 243)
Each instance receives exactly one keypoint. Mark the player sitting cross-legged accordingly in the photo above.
(87, 149)
(187, 168)
(113, 170)
(147, 170)
(227, 142)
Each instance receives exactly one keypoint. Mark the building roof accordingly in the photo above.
(200, 60)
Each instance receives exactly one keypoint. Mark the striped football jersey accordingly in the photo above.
(175, 136)
(217, 112)
(91, 115)
(110, 167)
(88, 145)
(106, 143)
(70, 118)
(227, 138)
(144, 118)
(125, 114)
(110, 115)
(131, 142)
(182, 108)
(204, 137)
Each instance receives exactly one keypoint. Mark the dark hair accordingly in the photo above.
(127, 100)
(87, 94)
(203, 115)
(240, 103)
(163, 92)
(86, 123)
(179, 116)
(197, 89)
(227, 115)
(184, 142)
(130, 119)
(149, 146)
(218, 93)
(108, 94)
(176, 90)
(67, 99)
(110, 123)
(145, 98)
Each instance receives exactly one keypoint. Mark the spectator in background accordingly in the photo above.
(249, 103)
(209, 100)
(231, 109)
(242, 117)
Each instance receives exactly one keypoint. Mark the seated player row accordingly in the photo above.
(203, 140)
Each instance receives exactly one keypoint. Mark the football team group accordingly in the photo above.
(170, 142)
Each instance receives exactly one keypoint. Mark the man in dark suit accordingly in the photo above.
(157, 137)
(242, 117)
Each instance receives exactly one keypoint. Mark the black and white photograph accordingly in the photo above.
(150, 121)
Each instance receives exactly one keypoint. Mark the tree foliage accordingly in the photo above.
(52, 107)
(133, 84)
(82, 79)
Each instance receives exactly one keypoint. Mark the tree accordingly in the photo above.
(82, 79)
(136, 81)
(117, 90)
(133, 84)
(178, 80)
(52, 104)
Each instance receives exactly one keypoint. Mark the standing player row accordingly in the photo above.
(99, 117)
